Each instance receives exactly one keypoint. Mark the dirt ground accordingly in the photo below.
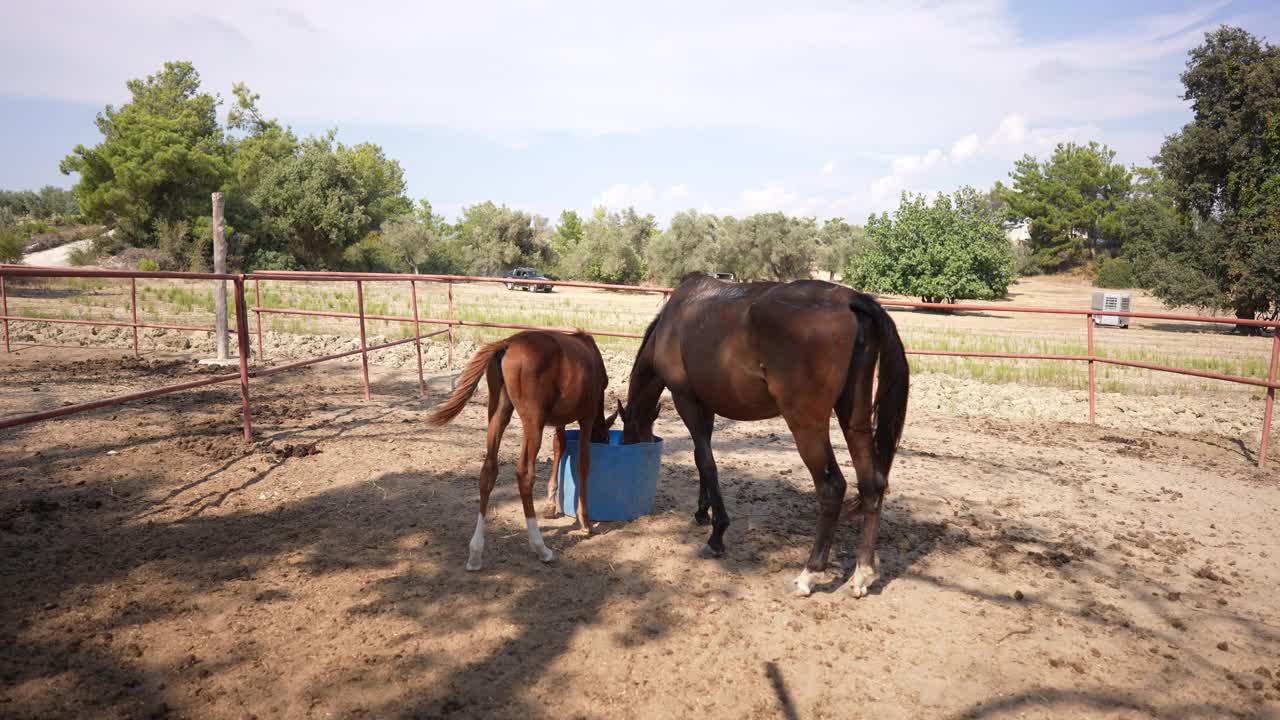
(154, 567)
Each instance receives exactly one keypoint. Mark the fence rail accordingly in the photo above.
(450, 322)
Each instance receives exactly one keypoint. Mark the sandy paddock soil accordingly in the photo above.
(153, 567)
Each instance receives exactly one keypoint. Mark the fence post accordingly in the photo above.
(450, 326)
(4, 310)
(220, 286)
(417, 337)
(364, 353)
(133, 310)
(242, 341)
(257, 314)
(1271, 398)
(1088, 318)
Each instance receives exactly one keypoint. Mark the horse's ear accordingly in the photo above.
(620, 412)
(608, 422)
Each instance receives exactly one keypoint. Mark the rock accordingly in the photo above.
(1223, 646)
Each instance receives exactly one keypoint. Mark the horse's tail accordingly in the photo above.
(487, 355)
(890, 406)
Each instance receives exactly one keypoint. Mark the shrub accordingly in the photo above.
(84, 255)
(11, 244)
(1115, 273)
(148, 265)
(272, 260)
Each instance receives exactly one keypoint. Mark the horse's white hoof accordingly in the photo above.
(547, 557)
(803, 584)
(863, 578)
(474, 564)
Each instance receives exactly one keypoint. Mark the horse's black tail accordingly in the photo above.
(889, 409)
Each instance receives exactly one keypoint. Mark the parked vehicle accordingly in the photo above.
(725, 276)
(525, 278)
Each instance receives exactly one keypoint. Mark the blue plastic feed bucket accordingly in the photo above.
(622, 481)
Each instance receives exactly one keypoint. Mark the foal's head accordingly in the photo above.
(600, 428)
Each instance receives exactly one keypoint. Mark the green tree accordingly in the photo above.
(950, 250)
(1067, 198)
(254, 143)
(379, 180)
(768, 246)
(161, 156)
(568, 234)
(612, 249)
(688, 245)
(1224, 167)
(838, 242)
(311, 204)
(492, 239)
(409, 240)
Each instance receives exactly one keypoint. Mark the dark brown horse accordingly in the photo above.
(753, 351)
(550, 378)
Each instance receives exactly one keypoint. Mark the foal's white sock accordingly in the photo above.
(535, 541)
(477, 545)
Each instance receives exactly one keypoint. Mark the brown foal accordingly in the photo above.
(549, 378)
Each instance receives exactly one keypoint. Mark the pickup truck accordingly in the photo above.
(519, 279)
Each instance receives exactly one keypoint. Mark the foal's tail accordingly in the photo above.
(890, 405)
(491, 353)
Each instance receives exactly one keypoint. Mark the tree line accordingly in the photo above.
(1199, 226)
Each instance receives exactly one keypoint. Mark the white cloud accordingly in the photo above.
(646, 198)
(472, 65)
(964, 148)
(829, 168)
(1012, 131)
(908, 164)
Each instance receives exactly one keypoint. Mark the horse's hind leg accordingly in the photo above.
(700, 421)
(814, 443)
(552, 507)
(853, 409)
(525, 477)
(500, 409)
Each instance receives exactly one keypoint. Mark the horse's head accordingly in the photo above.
(637, 423)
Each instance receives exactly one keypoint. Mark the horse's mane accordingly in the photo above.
(648, 334)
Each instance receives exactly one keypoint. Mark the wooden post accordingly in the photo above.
(1089, 319)
(450, 325)
(220, 286)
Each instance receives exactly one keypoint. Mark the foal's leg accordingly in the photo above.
(854, 412)
(525, 476)
(499, 416)
(814, 444)
(700, 421)
(552, 508)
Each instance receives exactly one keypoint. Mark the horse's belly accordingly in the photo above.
(732, 393)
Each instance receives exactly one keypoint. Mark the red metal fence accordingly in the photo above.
(450, 322)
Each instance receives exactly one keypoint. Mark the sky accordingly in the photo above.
(825, 109)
